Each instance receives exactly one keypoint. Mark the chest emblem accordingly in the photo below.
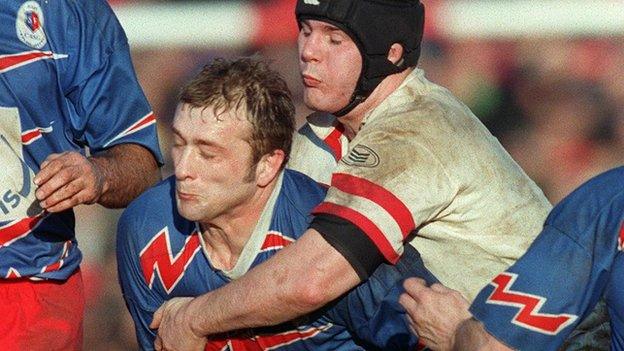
(29, 25)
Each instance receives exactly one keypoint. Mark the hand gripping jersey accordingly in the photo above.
(422, 169)
(576, 260)
(66, 82)
(161, 255)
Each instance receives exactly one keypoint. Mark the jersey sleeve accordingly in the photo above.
(372, 312)
(540, 299)
(108, 105)
(141, 301)
(388, 184)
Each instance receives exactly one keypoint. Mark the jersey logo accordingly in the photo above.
(142, 123)
(29, 25)
(528, 315)
(275, 241)
(312, 2)
(361, 156)
(157, 259)
(265, 342)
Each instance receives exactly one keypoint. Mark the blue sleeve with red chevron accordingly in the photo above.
(572, 264)
(109, 104)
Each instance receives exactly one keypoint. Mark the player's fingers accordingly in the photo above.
(71, 202)
(414, 286)
(157, 317)
(50, 157)
(437, 287)
(49, 169)
(72, 193)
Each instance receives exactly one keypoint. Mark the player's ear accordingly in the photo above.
(395, 54)
(269, 167)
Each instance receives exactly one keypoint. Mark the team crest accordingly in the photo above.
(29, 25)
(361, 156)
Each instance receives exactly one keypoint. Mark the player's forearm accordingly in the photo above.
(127, 170)
(301, 278)
(472, 336)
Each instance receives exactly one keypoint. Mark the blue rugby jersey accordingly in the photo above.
(576, 261)
(66, 82)
(160, 256)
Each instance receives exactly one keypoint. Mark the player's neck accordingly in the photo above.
(353, 121)
(226, 236)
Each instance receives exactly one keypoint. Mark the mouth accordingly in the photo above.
(185, 196)
(309, 81)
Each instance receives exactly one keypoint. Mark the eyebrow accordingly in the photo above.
(201, 142)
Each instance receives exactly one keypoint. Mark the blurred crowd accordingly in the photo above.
(557, 105)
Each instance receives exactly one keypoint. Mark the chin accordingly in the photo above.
(319, 102)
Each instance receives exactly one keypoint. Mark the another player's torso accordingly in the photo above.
(32, 126)
(184, 268)
(482, 210)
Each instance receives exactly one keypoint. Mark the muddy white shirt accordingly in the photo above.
(423, 169)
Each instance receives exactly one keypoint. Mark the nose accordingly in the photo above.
(308, 47)
(183, 163)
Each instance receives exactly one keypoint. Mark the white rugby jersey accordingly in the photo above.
(423, 169)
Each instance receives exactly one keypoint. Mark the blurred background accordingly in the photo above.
(546, 77)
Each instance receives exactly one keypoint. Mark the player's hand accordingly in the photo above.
(66, 180)
(173, 321)
(434, 313)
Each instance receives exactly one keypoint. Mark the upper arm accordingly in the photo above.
(389, 184)
(108, 105)
(140, 299)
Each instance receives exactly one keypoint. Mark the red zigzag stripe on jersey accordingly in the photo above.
(377, 194)
(157, 259)
(370, 228)
(333, 141)
(529, 305)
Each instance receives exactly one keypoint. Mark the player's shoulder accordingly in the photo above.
(301, 191)
(600, 200)
(154, 203)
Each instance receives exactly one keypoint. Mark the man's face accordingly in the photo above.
(212, 160)
(330, 65)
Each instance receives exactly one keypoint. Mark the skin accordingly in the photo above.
(309, 273)
(111, 178)
(440, 317)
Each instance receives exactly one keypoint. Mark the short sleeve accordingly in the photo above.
(108, 105)
(141, 301)
(388, 184)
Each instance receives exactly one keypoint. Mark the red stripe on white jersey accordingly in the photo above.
(142, 123)
(13, 61)
(18, 229)
(365, 224)
(334, 142)
(361, 187)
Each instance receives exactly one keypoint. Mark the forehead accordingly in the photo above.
(322, 26)
(204, 123)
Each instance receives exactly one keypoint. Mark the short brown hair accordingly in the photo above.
(247, 83)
